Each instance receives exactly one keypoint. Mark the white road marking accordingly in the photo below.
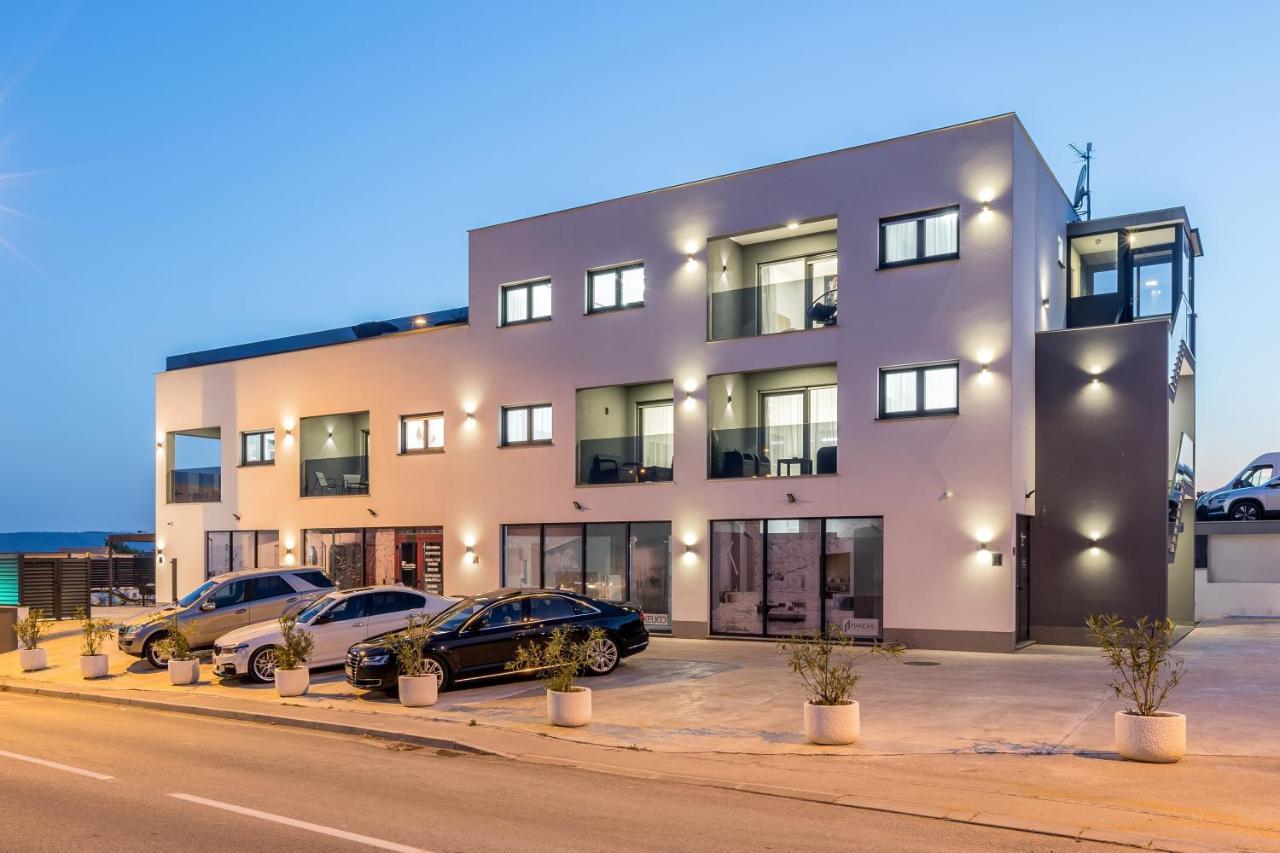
(302, 824)
(102, 777)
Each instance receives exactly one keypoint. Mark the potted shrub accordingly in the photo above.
(558, 662)
(291, 674)
(93, 633)
(825, 663)
(1145, 672)
(418, 682)
(175, 647)
(30, 629)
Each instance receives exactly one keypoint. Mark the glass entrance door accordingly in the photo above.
(795, 559)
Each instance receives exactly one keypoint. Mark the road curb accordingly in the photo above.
(994, 821)
(254, 717)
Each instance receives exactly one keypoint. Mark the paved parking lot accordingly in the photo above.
(738, 696)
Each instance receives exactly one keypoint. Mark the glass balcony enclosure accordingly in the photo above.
(1129, 273)
(335, 454)
(777, 280)
(774, 423)
(195, 465)
(625, 434)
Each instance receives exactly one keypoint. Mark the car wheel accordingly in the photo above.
(1246, 511)
(152, 654)
(432, 665)
(262, 665)
(603, 657)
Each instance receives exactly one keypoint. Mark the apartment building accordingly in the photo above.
(897, 388)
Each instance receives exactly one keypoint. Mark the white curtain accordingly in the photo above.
(542, 423)
(657, 425)
(900, 392)
(784, 430)
(900, 241)
(782, 305)
(940, 234)
(940, 388)
(822, 420)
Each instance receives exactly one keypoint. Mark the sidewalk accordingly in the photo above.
(987, 738)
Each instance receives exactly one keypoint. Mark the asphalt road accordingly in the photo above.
(116, 778)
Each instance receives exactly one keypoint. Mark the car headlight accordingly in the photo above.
(376, 659)
(238, 647)
(132, 630)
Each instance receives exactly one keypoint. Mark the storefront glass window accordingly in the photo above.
(606, 575)
(522, 555)
(562, 557)
(651, 573)
(737, 577)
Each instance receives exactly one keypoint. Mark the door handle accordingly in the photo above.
(242, 610)
(292, 598)
(357, 624)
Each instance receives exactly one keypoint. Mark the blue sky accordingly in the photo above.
(194, 175)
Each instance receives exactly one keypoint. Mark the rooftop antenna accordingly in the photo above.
(1082, 201)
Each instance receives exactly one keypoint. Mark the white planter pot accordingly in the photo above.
(33, 659)
(570, 709)
(418, 691)
(1161, 739)
(93, 666)
(184, 671)
(831, 725)
(293, 682)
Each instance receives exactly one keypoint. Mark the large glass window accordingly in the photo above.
(339, 553)
(522, 303)
(625, 434)
(788, 576)
(422, 433)
(615, 288)
(778, 423)
(1151, 254)
(613, 561)
(1094, 261)
(918, 237)
(335, 454)
(657, 431)
(526, 424)
(258, 448)
(915, 391)
(232, 550)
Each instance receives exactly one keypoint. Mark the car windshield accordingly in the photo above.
(452, 619)
(316, 608)
(195, 594)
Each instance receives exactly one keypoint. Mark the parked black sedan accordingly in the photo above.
(475, 638)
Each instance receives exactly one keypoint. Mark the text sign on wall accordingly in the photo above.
(433, 565)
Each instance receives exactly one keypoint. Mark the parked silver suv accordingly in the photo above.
(222, 604)
(1251, 495)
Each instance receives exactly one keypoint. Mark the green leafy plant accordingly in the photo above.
(826, 663)
(175, 643)
(93, 633)
(1145, 671)
(30, 628)
(408, 645)
(559, 660)
(296, 644)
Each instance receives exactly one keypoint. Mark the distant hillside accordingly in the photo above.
(43, 541)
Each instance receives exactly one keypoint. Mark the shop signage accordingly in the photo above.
(433, 567)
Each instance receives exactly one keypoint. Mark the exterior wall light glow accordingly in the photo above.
(1044, 303)
(793, 225)
(472, 558)
(419, 321)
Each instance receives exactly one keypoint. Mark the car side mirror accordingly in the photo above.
(207, 606)
(322, 619)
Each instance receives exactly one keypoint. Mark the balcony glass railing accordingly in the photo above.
(625, 459)
(789, 451)
(195, 485)
(337, 475)
(769, 309)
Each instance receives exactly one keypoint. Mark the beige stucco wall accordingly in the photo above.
(978, 309)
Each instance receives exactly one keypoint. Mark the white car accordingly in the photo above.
(336, 622)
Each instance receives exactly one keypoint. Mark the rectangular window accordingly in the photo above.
(919, 237)
(522, 303)
(422, 433)
(615, 288)
(334, 451)
(789, 576)
(258, 448)
(526, 424)
(232, 550)
(907, 392)
(615, 562)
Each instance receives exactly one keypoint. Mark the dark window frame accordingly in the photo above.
(618, 305)
(530, 441)
(260, 435)
(919, 218)
(404, 448)
(230, 542)
(527, 287)
(919, 411)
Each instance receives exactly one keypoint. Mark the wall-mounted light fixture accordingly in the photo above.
(728, 399)
(419, 321)
(986, 369)
(947, 494)
(791, 498)
(1093, 541)
(577, 506)
(372, 511)
(1044, 303)
(793, 225)
(724, 267)
(288, 553)
(984, 546)
(1095, 379)
(472, 558)
(159, 445)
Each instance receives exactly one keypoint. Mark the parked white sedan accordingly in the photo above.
(336, 622)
